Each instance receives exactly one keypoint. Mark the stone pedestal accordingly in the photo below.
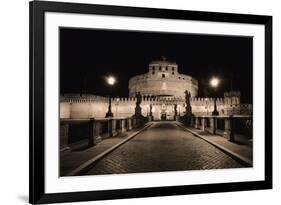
(196, 123)
(229, 129)
(64, 127)
(112, 127)
(113, 124)
(134, 120)
(188, 119)
(213, 125)
(129, 124)
(203, 122)
(138, 120)
(177, 118)
(123, 125)
(94, 132)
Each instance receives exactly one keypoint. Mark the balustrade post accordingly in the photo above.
(94, 132)
(213, 125)
(129, 123)
(110, 127)
(64, 131)
(203, 121)
(123, 126)
(113, 127)
(91, 136)
(134, 122)
(196, 122)
(229, 128)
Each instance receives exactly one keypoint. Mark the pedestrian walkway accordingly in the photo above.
(241, 151)
(70, 160)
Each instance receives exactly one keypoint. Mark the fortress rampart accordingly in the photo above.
(88, 106)
(162, 88)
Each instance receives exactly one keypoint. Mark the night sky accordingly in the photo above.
(88, 55)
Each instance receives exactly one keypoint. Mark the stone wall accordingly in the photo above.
(88, 106)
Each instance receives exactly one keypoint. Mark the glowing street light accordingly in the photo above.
(214, 82)
(110, 81)
(207, 106)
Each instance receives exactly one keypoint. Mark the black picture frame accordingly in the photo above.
(37, 104)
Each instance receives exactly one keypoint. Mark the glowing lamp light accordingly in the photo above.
(111, 80)
(214, 82)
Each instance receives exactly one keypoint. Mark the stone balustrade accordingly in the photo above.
(228, 126)
(93, 130)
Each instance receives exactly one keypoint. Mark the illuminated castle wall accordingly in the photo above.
(162, 88)
(90, 106)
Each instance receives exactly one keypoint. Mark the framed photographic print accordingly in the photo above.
(140, 102)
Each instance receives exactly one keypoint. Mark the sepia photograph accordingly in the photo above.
(131, 102)
(135, 102)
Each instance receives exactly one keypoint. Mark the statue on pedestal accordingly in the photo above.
(175, 111)
(139, 118)
(138, 107)
(188, 109)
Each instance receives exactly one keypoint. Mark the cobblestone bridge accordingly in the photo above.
(164, 146)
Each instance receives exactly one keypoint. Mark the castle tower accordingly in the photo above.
(163, 80)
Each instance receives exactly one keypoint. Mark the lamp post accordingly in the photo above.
(110, 81)
(214, 82)
(207, 106)
(117, 103)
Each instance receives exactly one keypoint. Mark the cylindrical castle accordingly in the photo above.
(163, 80)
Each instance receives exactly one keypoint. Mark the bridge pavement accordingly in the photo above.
(164, 146)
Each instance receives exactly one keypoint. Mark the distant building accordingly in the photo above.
(162, 90)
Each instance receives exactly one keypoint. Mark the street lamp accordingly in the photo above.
(110, 81)
(214, 82)
(117, 103)
(207, 106)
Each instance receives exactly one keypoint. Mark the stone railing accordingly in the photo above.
(93, 130)
(233, 127)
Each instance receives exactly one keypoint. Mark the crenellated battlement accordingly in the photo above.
(206, 101)
(123, 99)
(197, 101)
(87, 105)
(84, 98)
